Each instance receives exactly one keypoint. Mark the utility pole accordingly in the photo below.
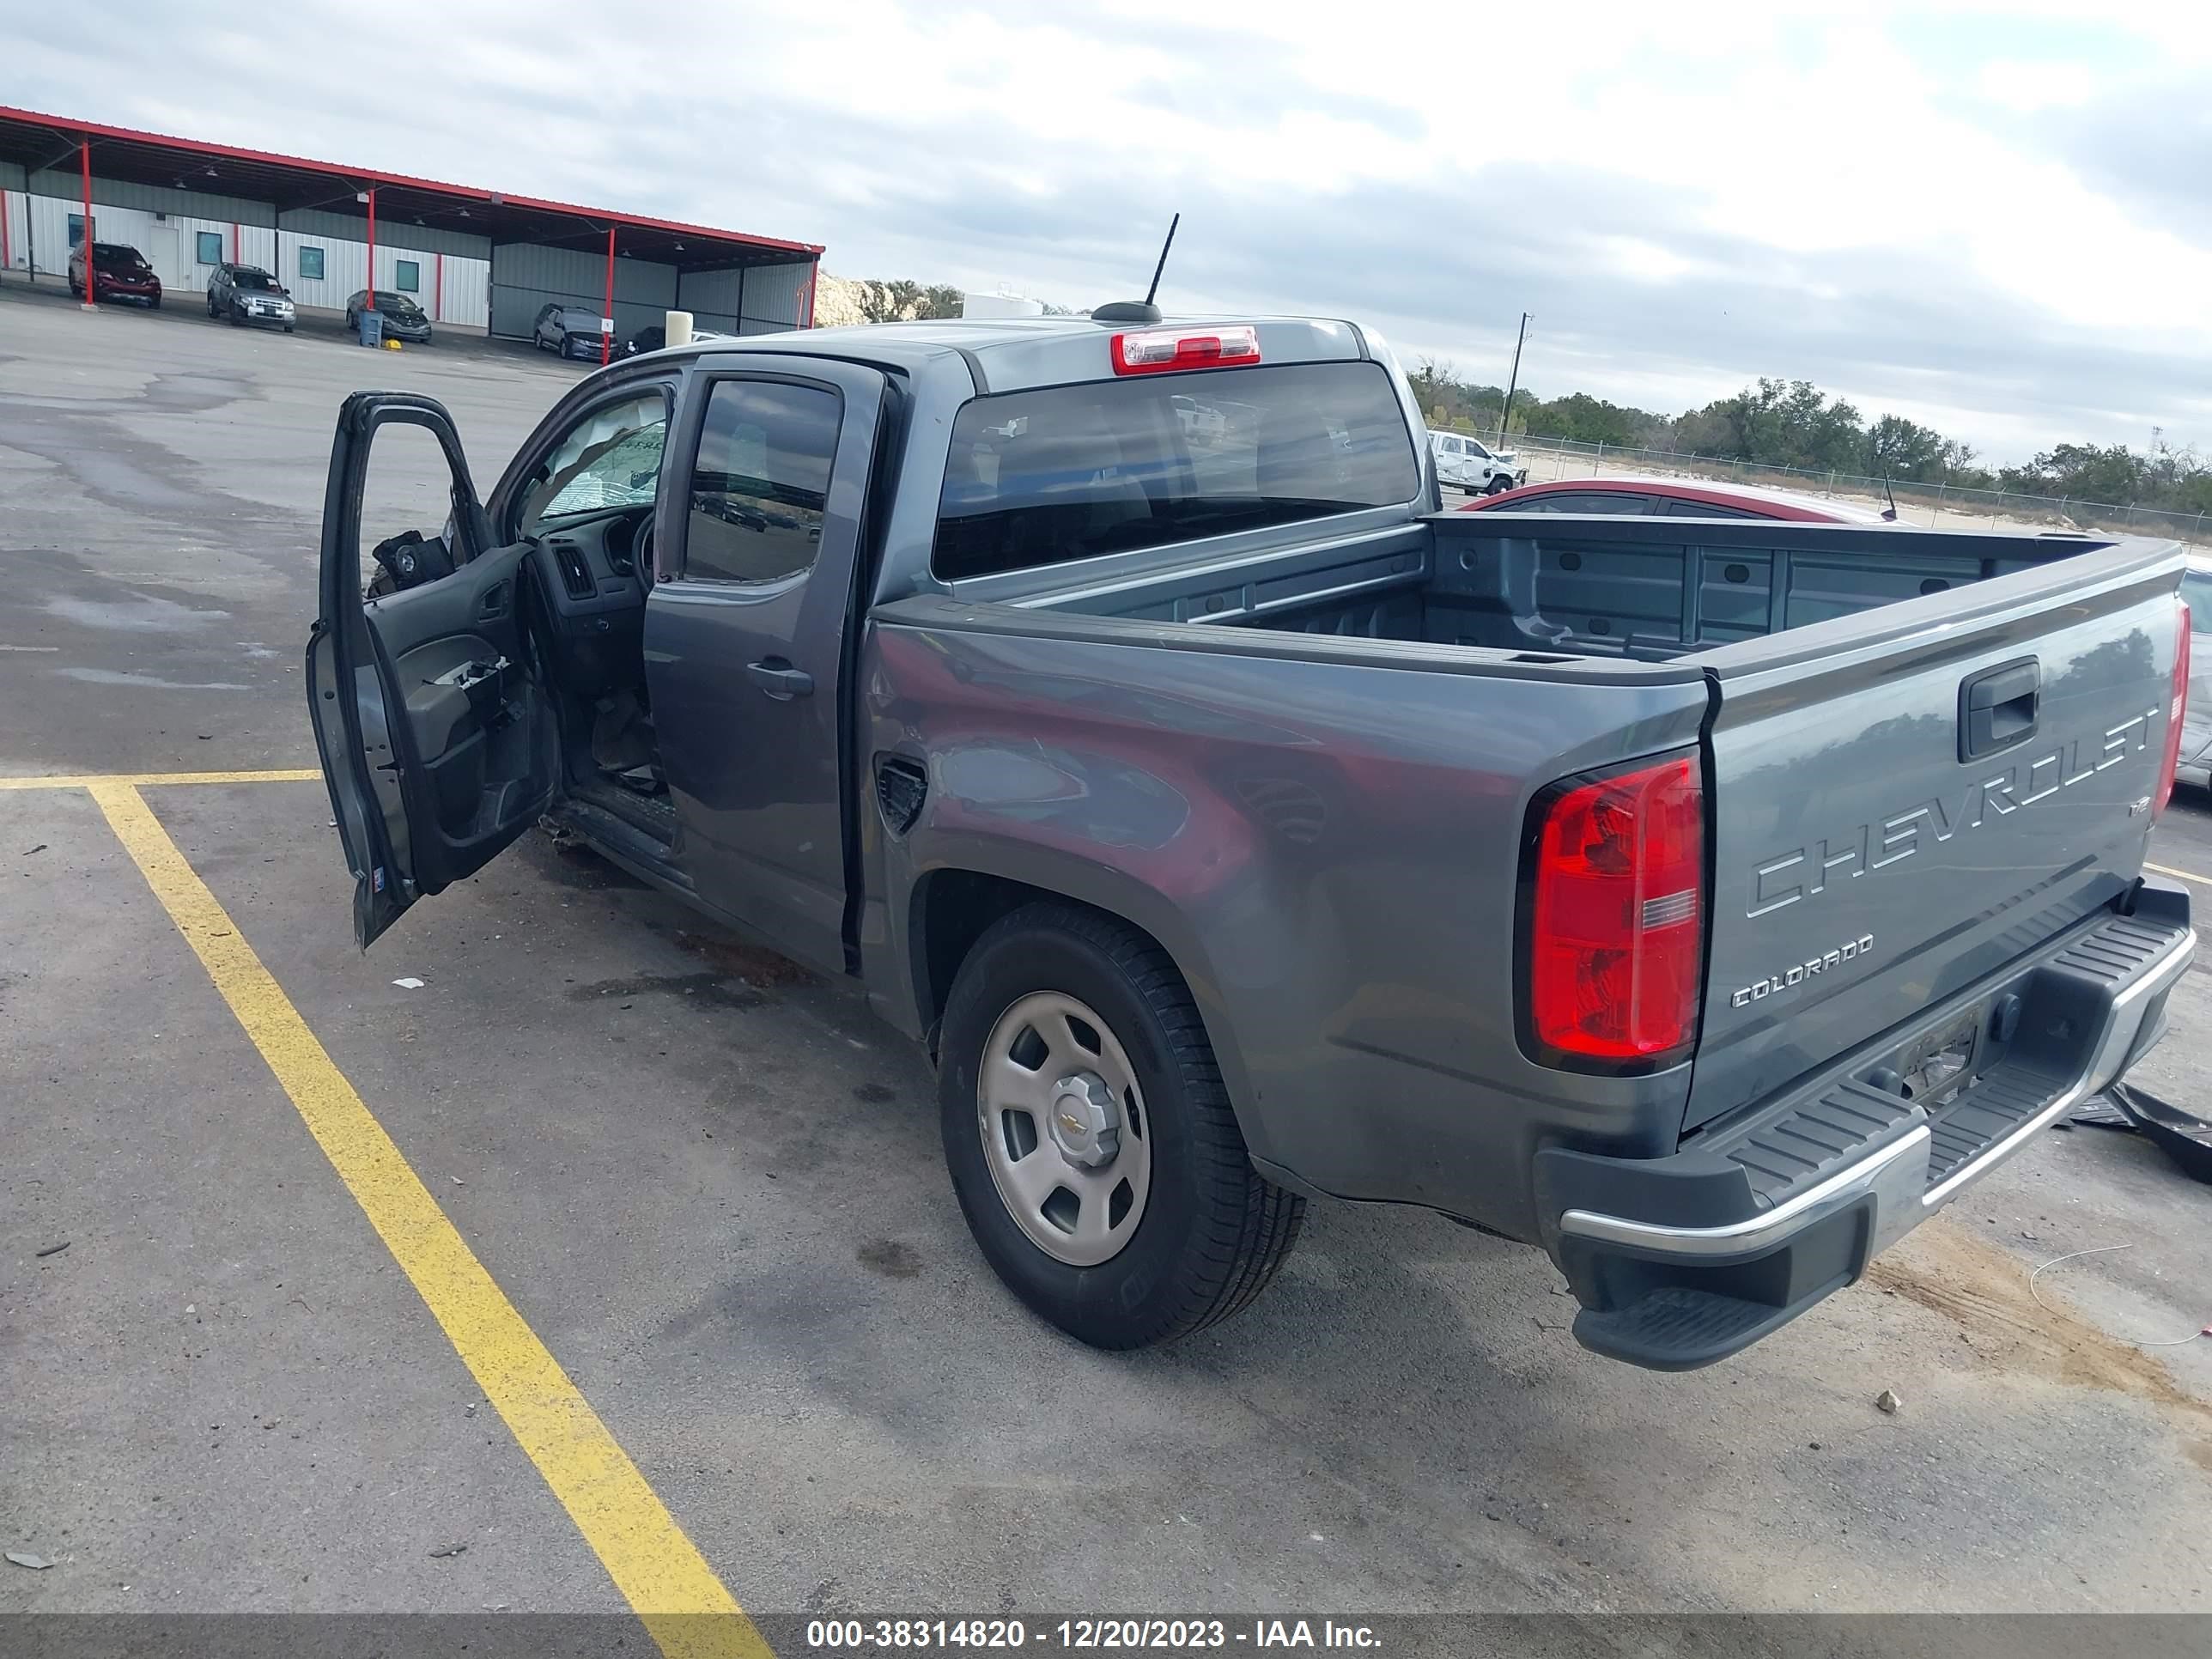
(1505, 414)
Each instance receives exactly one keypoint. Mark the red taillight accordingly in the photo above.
(2172, 762)
(1157, 350)
(1616, 918)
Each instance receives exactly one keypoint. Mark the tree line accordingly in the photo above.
(1793, 423)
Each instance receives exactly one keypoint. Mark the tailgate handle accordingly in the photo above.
(1997, 706)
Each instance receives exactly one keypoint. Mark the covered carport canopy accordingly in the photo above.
(626, 265)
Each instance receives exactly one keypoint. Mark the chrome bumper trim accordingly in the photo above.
(1895, 1177)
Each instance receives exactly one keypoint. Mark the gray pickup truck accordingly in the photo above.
(1702, 902)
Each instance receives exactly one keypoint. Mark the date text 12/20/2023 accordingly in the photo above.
(1085, 1635)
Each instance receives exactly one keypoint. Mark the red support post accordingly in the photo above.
(7, 254)
(91, 279)
(438, 290)
(813, 271)
(607, 334)
(233, 241)
(371, 284)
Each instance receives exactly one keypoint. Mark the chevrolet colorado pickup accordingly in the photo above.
(1703, 902)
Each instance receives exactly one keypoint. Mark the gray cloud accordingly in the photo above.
(1440, 269)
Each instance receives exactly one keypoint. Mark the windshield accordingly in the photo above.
(260, 279)
(1068, 472)
(612, 459)
(2196, 590)
(395, 301)
(117, 258)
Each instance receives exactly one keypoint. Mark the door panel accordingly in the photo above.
(435, 729)
(747, 640)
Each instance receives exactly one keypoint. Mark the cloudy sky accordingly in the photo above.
(1995, 218)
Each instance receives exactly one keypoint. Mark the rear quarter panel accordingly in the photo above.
(1328, 847)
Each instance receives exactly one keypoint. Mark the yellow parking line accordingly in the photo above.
(150, 780)
(2187, 875)
(658, 1570)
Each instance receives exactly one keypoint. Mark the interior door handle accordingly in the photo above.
(780, 680)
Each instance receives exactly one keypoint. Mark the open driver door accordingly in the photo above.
(436, 727)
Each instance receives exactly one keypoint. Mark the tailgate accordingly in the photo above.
(1905, 800)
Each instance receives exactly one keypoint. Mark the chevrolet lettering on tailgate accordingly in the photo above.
(1807, 872)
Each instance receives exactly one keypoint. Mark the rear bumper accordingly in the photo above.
(1683, 1261)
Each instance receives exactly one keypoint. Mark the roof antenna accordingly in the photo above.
(1140, 311)
(1152, 293)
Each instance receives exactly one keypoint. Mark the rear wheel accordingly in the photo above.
(1090, 1138)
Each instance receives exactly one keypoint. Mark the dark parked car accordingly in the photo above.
(1234, 827)
(654, 336)
(571, 331)
(118, 273)
(247, 294)
(1672, 498)
(403, 318)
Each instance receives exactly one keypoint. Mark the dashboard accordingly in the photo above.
(594, 594)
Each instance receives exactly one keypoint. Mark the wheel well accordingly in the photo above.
(953, 908)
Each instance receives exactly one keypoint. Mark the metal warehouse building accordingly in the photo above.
(470, 257)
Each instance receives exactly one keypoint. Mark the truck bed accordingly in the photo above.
(1307, 767)
(1552, 586)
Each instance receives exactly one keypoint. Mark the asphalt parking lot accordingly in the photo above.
(707, 1192)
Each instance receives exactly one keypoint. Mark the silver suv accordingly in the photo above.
(247, 294)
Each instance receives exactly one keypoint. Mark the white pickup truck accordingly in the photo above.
(1471, 464)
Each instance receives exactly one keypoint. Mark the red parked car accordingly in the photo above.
(118, 273)
(1673, 498)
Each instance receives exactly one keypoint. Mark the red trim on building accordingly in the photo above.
(91, 268)
(606, 332)
(355, 175)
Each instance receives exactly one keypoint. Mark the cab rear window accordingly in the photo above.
(1070, 472)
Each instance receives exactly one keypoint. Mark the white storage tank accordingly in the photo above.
(1001, 304)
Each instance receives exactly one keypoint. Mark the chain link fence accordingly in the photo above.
(1936, 505)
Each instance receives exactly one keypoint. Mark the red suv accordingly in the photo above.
(118, 273)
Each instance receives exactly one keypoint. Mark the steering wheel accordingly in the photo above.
(640, 554)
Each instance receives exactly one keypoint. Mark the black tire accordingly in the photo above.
(1498, 486)
(1213, 1232)
(288, 328)
(153, 304)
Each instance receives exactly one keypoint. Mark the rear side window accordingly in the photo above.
(1069, 472)
(1679, 509)
(760, 482)
(1595, 501)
